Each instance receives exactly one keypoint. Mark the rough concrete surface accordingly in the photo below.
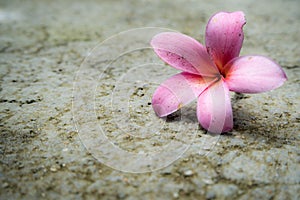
(45, 154)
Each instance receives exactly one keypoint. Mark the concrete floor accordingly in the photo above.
(50, 55)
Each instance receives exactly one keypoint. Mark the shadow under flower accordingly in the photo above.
(260, 127)
(252, 126)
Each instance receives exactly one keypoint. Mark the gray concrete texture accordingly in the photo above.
(50, 55)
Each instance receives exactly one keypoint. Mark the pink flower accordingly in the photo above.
(210, 72)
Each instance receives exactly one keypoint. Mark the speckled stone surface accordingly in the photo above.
(42, 153)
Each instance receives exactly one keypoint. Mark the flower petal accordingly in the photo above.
(184, 53)
(214, 110)
(224, 36)
(178, 91)
(253, 74)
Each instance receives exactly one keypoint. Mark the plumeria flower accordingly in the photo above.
(210, 72)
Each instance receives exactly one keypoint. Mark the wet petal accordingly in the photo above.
(178, 91)
(253, 74)
(224, 36)
(214, 110)
(184, 53)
